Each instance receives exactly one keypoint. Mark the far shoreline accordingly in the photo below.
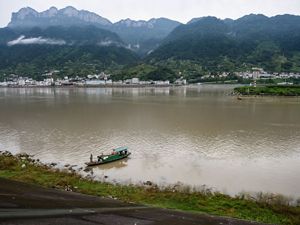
(269, 90)
(93, 86)
(126, 85)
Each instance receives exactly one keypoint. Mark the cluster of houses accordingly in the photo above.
(211, 76)
(104, 79)
(255, 74)
(101, 79)
(259, 73)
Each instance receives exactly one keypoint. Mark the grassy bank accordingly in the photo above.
(266, 208)
(273, 90)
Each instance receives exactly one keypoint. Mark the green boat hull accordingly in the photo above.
(107, 159)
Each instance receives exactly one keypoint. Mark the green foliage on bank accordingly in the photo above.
(275, 90)
(266, 208)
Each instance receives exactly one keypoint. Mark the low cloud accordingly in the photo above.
(106, 43)
(35, 41)
(110, 43)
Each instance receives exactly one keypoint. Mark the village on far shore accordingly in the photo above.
(103, 79)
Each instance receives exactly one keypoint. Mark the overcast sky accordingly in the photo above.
(181, 10)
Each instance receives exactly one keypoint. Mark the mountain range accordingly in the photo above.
(272, 43)
(81, 42)
(140, 36)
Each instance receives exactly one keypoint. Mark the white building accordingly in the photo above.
(135, 80)
(48, 82)
(120, 82)
(57, 83)
(128, 81)
(160, 82)
(109, 82)
(181, 82)
(3, 84)
(95, 82)
(21, 82)
(143, 82)
(30, 81)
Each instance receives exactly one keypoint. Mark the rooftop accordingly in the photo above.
(120, 149)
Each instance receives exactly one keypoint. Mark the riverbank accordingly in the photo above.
(24, 203)
(266, 208)
(272, 90)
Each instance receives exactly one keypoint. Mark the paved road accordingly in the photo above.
(30, 205)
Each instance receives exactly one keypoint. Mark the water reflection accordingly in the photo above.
(113, 165)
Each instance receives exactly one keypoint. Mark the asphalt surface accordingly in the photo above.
(31, 205)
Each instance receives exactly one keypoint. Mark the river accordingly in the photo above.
(196, 135)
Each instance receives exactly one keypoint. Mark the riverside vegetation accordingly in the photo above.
(267, 208)
(275, 90)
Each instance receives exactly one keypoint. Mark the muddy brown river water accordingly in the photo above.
(198, 135)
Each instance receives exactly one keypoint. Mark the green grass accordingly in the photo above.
(274, 90)
(262, 210)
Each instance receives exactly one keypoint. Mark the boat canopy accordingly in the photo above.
(120, 149)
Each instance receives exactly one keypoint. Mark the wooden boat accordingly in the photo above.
(117, 154)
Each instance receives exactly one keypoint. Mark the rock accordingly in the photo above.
(89, 177)
(53, 164)
(148, 182)
(23, 166)
(105, 177)
(67, 165)
(87, 169)
(68, 188)
(71, 170)
(6, 153)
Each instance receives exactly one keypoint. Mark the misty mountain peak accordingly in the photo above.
(50, 12)
(133, 23)
(70, 11)
(28, 17)
(203, 19)
(25, 12)
(150, 24)
(145, 34)
(253, 17)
